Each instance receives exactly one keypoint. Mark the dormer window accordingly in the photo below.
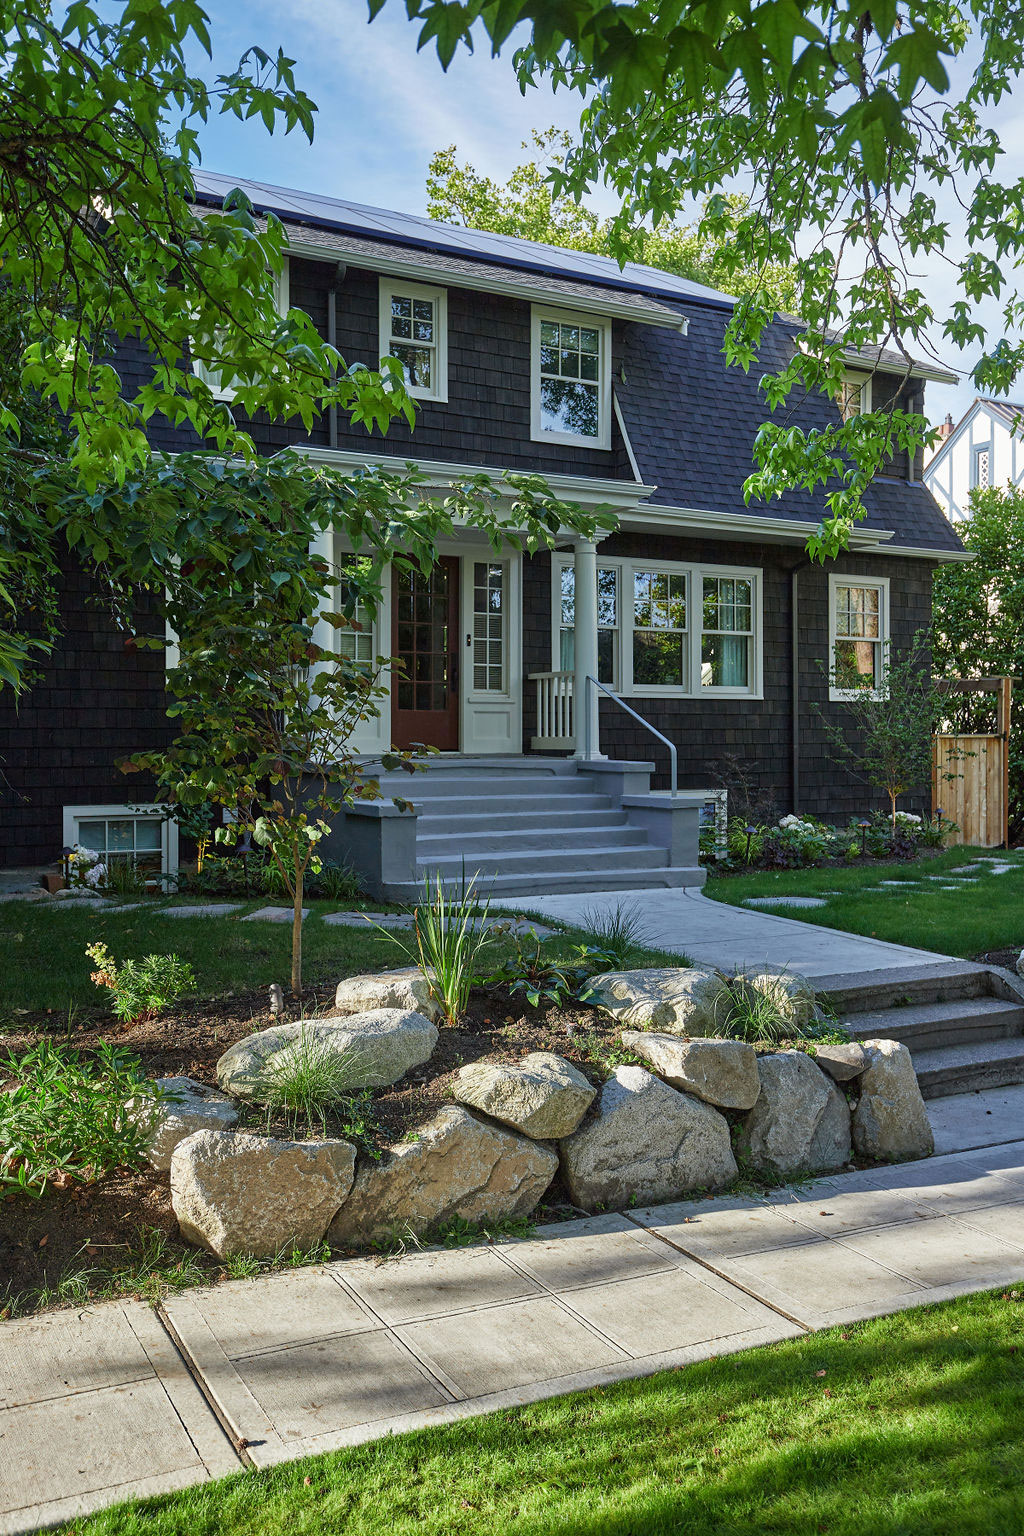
(571, 382)
(414, 329)
(854, 395)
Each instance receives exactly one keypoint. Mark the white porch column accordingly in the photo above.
(584, 699)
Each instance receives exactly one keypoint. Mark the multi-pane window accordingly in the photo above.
(607, 623)
(489, 586)
(357, 641)
(571, 384)
(413, 324)
(667, 628)
(854, 395)
(136, 840)
(982, 477)
(207, 369)
(858, 635)
(660, 656)
(727, 632)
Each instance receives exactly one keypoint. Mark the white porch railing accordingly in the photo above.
(556, 729)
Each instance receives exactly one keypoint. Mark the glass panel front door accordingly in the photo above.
(425, 691)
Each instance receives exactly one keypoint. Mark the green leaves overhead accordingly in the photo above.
(842, 128)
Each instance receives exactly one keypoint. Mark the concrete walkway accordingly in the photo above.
(103, 1404)
(686, 922)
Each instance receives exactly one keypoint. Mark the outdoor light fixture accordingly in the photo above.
(865, 828)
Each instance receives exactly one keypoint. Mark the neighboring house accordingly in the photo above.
(702, 613)
(986, 447)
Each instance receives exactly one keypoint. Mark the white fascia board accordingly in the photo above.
(512, 286)
(741, 525)
(588, 490)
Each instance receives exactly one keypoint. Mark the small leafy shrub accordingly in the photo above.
(125, 878)
(452, 930)
(141, 988)
(65, 1117)
(541, 979)
(307, 1082)
(745, 842)
(335, 881)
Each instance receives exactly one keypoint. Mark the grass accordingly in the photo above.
(903, 1426)
(44, 964)
(966, 921)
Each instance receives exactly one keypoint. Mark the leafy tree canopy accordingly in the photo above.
(844, 127)
(529, 207)
(978, 621)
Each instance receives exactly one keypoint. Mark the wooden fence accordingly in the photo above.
(971, 772)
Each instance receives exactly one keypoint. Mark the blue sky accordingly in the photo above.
(384, 110)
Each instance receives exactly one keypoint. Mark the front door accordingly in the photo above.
(424, 638)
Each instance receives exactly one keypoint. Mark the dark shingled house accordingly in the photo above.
(700, 615)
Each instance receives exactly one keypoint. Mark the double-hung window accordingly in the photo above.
(667, 629)
(571, 390)
(414, 329)
(858, 634)
(607, 622)
(727, 632)
(854, 395)
(207, 370)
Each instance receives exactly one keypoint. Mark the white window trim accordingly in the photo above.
(282, 303)
(624, 630)
(72, 814)
(603, 440)
(439, 298)
(864, 380)
(977, 449)
(881, 584)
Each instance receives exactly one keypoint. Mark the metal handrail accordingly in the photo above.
(645, 723)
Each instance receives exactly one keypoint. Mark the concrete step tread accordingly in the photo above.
(966, 1010)
(512, 820)
(541, 861)
(969, 1055)
(851, 993)
(499, 842)
(559, 882)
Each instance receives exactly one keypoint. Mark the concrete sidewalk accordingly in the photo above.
(686, 922)
(97, 1405)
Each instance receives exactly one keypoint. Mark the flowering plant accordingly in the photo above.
(84, 867)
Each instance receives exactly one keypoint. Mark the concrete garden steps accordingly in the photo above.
(962, 1023)
(529, 827)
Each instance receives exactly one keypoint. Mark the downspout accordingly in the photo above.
(340, 273)
(794, 682)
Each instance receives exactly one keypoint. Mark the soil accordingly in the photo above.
(98, 1225)
(1005, 957)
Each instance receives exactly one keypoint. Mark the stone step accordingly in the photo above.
(431, 845)
(932, 1026)
(541, 862)
(963, 1068)
(430, 824)
(558, 801)
(438, 786)
(943, 981)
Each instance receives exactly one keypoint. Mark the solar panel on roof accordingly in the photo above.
(411, 229)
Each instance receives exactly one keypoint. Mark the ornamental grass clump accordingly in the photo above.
(452, 931)
(141, 988)
(67, 1118)
(310, 1080)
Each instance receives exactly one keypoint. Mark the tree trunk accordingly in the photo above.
(297, 934)
(892, 808)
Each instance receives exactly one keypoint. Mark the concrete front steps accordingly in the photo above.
(962, 1023)
(529, 826)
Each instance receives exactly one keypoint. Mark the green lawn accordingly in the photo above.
(44, 965)
(974, 917)
(901, 1426)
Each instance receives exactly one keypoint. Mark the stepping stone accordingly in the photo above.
(783, 901)
(208, 909)
(79, 902)
(907, 885)
(368, 919)
(273, 915)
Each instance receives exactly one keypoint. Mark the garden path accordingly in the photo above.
(686, 922)
(118, 1400)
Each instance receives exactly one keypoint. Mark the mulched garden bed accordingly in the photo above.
(98, 1225)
